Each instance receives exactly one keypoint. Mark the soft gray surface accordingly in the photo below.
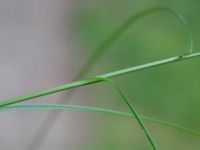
(35, 53)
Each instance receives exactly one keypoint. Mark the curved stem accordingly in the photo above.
(18, 107)
(96, 55)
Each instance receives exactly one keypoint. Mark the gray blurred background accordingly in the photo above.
(44, 43)
(36, 52)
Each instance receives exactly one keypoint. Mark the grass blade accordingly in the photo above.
(19, 107)
(132, 109)
(96, 56)
(98, 53)
(95, 80)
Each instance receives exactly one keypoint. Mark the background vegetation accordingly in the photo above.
(169, 92)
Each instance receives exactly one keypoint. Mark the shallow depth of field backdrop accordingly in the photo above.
(43, 43)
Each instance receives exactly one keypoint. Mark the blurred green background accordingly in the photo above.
(168, 92)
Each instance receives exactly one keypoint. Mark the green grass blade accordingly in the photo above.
(18, 107)
(132, 109)
(109, 75)
(94, 80)
(98, 53)
(170, 124)
(127, 24)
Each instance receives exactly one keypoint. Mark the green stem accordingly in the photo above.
(93, 109)
(94, 80)
(133, 110)
(96, 55)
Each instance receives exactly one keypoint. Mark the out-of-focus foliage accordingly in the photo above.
(169, 92)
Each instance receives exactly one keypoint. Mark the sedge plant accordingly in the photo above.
(6, 105)
(50, 120)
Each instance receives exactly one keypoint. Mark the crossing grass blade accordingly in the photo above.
(132, 109)
(27, 107)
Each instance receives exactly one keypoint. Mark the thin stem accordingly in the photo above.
(134, 112)
(92, 60)
(28, 107)
(94, 80)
